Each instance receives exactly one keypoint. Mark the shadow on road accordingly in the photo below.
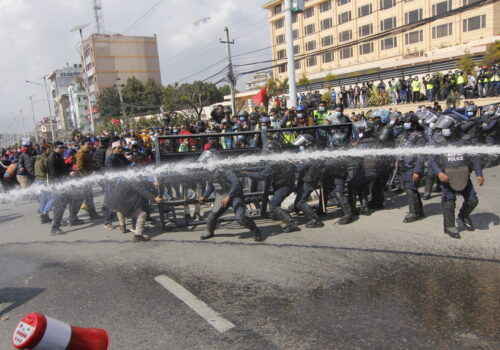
(17, 297)
(7, 218)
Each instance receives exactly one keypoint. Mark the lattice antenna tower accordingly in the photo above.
(98, 16)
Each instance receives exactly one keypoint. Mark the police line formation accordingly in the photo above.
(349, 162)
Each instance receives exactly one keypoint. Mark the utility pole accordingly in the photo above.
(230, 74)
(292, 90)
(33, 114)
(50, 109)
(118, 86)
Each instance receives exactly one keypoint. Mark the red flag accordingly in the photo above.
(115, 121)
(261, 97)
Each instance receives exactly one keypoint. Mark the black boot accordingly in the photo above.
(311, 215)
(416, 208)
(449, 219)
(429, 182)
(258, 237)
(45, 219)
(347, 216)
(465, 211)
(363, 210)
(279, 214)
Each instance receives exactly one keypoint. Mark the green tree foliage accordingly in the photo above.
(493, 55)
(466, 64)
(329, 80)
(303, 81)
(378, 99)
(224, 90)
(109, 103)
(192, 97)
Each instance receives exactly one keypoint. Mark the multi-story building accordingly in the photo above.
(109, 57)
(78, 107)
(60, 80)
(346, 36)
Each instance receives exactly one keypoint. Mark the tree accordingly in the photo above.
(303, 81)
(224, 90)
(466, 64)
(109, 103)
(493, 55)
(329, 80)
(191, 97)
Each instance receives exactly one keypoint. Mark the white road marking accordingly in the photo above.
(197, 305)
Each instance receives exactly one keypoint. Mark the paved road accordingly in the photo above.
(374, 284)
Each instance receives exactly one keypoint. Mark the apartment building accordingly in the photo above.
(345, 36)
(111, 56)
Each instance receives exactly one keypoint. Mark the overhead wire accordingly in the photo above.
(144, 16)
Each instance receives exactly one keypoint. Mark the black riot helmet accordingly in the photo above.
(448, 124)
(470, 111)
(411, 122)
(490, 110)
(273, 146)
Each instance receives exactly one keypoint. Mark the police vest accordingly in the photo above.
(495, 78)
(319, 117)
(429, 86)
(288, 136)
(283, 175)
(460, 79)
(183, 148)
(415, 85)
(408, 141)
(221, 185)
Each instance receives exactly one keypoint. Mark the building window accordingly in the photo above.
(277, 9)
(282, 68)
(326, 23)
(295, 34)
(309, 29)
(278, 24)
(442, 30)
(367, 29)
(345, 53)
(474, 23)
(309, 12)
(325, 6)
(389, 43)
(345, 17)
(280, 39)
(327, 40)
(366, 48)
(441, 8)
(414, 37)
(343, 2)
(296, 49)
(365, 10)
(281, 54)
(345, 35)
(311, 61)
(387, 4)
(388, 23)
(294, 17)
(297, 64)
(311, 45)
(327, 57)
(413, 16)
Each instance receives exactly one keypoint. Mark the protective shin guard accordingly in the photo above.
(449, 219)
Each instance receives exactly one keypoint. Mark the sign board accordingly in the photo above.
(297, 6)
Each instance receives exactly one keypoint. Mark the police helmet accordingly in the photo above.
(273, 146)
(383, 114)
(490, 110)
(447, 121)
(265, 120)
(304, 140)
(243, 114)
(207, 156)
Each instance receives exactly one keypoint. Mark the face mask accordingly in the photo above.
(322, 109)
(470, 114)
(446, 132)
(242, 119)
(392, 122)
(263, 127)
(431, 125)
(133, 142)
(360, 135)
(490, 113)
(271, 118)
(302, 149)
(407, 126)
(300, 115)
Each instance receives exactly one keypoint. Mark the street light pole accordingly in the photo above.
(48, 102)
(292, 91)
(86, 84)
(33, 114)
(118, 86)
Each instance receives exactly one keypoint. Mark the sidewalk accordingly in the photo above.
(403, 108)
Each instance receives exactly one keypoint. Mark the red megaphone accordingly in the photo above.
(39, 332)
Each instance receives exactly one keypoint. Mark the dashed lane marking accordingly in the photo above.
(197, 305)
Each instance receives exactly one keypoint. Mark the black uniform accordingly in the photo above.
(226, 183)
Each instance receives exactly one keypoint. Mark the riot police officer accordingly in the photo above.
(454, 171)
(309, 175)
(228, 193)
(282, 177)
(412, 167)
